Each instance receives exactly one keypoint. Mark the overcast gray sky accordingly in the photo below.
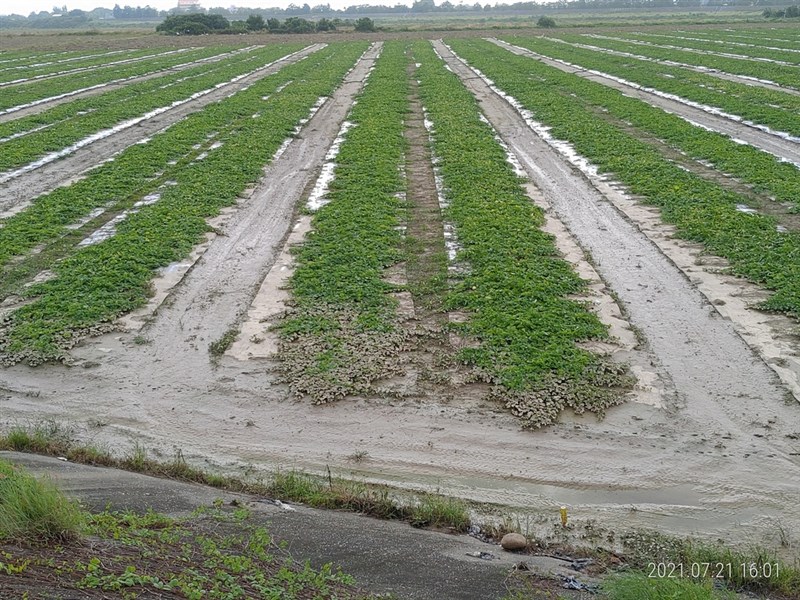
(24, 7)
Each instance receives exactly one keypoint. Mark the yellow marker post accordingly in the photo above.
(563, 516)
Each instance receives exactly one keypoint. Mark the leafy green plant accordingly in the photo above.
(517, 291)
(341, 334)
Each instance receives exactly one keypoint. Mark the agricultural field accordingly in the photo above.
(525, 270)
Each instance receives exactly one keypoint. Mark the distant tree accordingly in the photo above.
(274, 25)
(325, 25)
(365, 24)
(194, 24)
(298, 25)
(546, 22)
(423, 6)
(256, 23)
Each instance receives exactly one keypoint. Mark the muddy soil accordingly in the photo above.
(25, 187)
(768, 142)
(713, 449)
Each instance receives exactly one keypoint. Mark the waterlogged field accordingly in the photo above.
(570, 261)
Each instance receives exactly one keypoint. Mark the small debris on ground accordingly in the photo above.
(478, 534)
(482, 555)
(571, 583)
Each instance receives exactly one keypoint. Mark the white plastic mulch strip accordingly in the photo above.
(58, 62)
(318, 196)
(84, 220)
(728, 42)
(109, 229)
(704, 107)
(126, 125)
(279, 152)
(694, 50)
(319, 193)
(93, 67)
(511, 158)
(451, 243)
(115, 81)
(565, 148)
(24, 133)
(668, 63)
(562, 147)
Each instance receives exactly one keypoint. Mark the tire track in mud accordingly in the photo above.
(772, 143)
(718, 384)
(39, 106)
(23, 189)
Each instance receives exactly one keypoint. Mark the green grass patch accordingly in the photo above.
(421, 510)
(638, 586)
(34, 510)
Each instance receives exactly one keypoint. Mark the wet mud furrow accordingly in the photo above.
(717, 383)
(25, 187)
(773, 144)
(426, 268)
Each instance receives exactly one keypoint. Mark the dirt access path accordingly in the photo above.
(708, 455)
(753, 135)
(35, 179)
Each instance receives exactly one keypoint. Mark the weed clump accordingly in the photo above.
(34, 510)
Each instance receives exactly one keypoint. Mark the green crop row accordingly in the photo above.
(37, 90)
(775, 39)
(714, 46)
(759, 105)
(518, 287)
(79, 107)
(107, 110)
(763, 171)
(788, 76)
(342, 329)
(136, 171)
(98, 283)
(100, 62)
(702, 211)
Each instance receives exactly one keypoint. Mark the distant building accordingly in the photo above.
(188, 5)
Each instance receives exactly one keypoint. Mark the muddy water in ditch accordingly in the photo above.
(710, 457)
